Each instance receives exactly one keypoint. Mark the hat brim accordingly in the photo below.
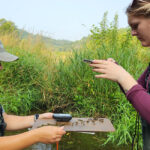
(7, 57)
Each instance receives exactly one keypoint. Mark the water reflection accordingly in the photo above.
(80, 141)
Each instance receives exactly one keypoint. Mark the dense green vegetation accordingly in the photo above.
(41, 81)
(7, 26)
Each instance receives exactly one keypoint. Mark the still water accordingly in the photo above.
(81, 141)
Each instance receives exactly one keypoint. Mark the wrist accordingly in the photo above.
(36, 117)
(127, 82)
(36, 135)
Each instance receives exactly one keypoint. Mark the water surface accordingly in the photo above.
(81, 141)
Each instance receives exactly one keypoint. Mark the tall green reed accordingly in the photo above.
(76, 88)
(38, 80)
(20, 84)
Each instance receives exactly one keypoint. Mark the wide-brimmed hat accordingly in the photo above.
(5, 56)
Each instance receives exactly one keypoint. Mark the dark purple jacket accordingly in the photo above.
(139, 97)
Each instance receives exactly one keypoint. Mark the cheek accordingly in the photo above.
(144, 33)
(146, 36)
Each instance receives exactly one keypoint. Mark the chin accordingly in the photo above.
(144, 44)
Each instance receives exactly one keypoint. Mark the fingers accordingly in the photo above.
(99, 70)
(58, 136)
(101, 76)
(55, 140)
(50, 134)
(46, 116)
(99, 62)
(111, 60)
(99, 66)
(57, 130)
(102, 66)
(103, 61)
(61, 130)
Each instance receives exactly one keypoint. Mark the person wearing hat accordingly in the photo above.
(45, 134)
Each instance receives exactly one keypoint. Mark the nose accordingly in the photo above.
(133, 33)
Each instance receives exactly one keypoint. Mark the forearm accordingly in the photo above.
(22, 122)
(18, 142)
(127, 82)
(18, 122)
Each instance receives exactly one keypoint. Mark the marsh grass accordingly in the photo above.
(83, 95)
(42, 80)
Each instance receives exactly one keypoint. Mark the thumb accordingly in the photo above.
(62, 127)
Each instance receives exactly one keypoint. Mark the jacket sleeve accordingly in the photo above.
(140, 81)
(139, 97)
(140, 100)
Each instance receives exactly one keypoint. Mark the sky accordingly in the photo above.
(62, 19)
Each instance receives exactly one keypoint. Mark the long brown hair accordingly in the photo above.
(139, 8)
